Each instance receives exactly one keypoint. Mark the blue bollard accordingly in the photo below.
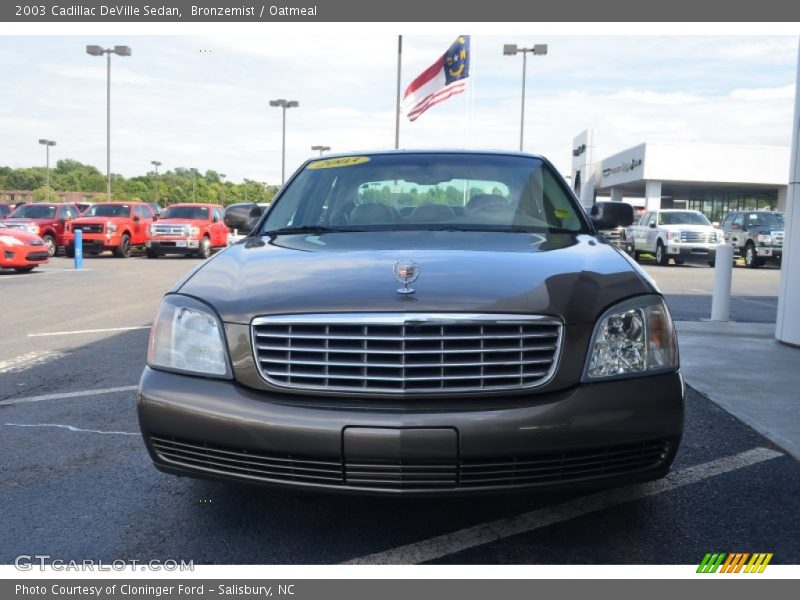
(78, 249)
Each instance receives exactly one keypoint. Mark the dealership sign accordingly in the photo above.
(629, 165)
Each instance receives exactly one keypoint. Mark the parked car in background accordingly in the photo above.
(616, 235)
(188, 229)
(396, 344)
(5, 209)
(84, 206)
(20, 250)
(683, 235)
(756, 235)
(115, 226)
(45, 219)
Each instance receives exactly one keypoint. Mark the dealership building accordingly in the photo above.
(712, 178)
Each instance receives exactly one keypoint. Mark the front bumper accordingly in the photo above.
(593, 434)
(690, 252)
(770, 252)
(23, 256)
(173, 246)
(95, 242)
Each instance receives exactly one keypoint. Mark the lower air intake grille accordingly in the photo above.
(479, 474)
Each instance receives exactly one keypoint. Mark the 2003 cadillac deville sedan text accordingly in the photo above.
(417, 323)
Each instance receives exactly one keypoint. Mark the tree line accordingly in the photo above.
(177, 185)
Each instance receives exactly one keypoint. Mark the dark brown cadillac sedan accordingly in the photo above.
(417, 323)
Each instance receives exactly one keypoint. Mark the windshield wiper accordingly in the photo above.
(302, 229)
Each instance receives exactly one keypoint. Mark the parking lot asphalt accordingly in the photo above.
(76, 481)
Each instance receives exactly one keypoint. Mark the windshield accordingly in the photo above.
(185, 212)
(682, 218)
(769, 220)
(108, 210)
(385, 192)
(34, 211)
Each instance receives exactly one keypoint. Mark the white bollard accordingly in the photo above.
(723, 273)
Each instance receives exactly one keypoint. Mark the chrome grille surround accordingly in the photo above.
(89, 227)
(406, 353)
(698, 237)
(777, 238)
(170, 229)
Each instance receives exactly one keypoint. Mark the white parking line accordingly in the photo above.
(29, 360)
(471, 537)
(107, 329)
(70, 428)
(126, 388)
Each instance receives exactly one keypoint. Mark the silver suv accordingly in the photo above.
(756, 235)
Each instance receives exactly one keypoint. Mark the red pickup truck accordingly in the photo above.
(47, 220)
(115, 226)
(188, 229)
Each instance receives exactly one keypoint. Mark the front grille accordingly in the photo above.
(89, 227)
(698, 237)
(613, 235)
(406, 352)
(473, 474)
(166, 229)
(36, 256)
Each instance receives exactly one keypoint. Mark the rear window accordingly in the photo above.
(480, 192)
(35, 211)
(185, 212)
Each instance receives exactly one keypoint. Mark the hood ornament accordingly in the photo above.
(406, 271)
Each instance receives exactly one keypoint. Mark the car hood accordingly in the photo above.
(572, 277)
(21, 235)
(701, 228)
(26, 221)
(177, 221)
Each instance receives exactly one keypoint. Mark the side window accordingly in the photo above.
(726, 222)
(738, 222)
(218, 214)
(144, 212)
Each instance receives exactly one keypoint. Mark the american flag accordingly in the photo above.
(443, 79)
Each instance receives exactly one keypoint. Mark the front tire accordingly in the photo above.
(151, 253)
(50, 242)
(751, 260)
(124, 248)
(205, 248)
(662, 258)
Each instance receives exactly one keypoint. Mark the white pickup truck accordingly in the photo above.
(683, 235)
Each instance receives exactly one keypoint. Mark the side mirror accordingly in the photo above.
(215, 219)
(67, 218)
(136, 218)
(155, 217)
(610, 215)
(652, 225)
(715, 224)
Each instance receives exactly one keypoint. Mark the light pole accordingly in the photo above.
(194, 187)
(321, 149)
(284, 104)
(511, 50)
(99, 51)
(47, 144)
(222, 177)
(156, 164)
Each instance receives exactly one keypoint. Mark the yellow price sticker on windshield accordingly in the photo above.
(560, 213)
(342, 161)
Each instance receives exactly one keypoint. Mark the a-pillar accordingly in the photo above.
(787, 328)
(616, 194)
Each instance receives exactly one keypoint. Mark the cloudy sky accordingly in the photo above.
(203, 102)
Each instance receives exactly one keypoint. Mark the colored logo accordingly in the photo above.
(406, 271)
(734, 562)
(342, 161)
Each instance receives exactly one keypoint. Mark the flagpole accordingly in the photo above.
(397, 106)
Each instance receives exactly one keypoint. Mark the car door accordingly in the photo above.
(145, 218)
(737, 231)
(220, 227)
(639, 230)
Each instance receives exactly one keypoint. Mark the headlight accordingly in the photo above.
(187, 336)
(152, 229)
(764, 238)
(193, 230)
(110, 227)
(634, 337)
(33, 228)
(9, 240)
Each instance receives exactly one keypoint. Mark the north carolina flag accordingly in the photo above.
(444, 78)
